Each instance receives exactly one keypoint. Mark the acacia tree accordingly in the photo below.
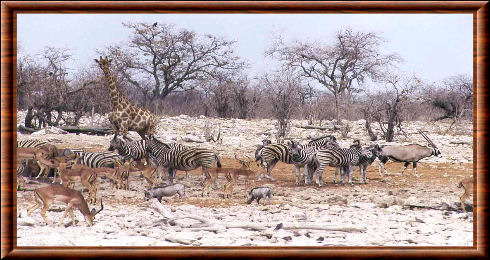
(159, 60)
(341, 67)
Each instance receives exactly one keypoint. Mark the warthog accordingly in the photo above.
(259, 193)
(165, 191)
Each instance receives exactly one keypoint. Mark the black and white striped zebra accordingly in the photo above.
(367, 157)
(273, 153)
(30, 143)
(258, 151)
(323, 142)
(270, 155)
(302, 156)
(136, 150)
(338, 157)
(129, 150)
(100, 159)
(185, 160)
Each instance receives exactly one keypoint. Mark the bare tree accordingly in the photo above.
(242, 98)
(282, 90)
(454, 98)
(341, 67)
(160, 60)
(47, 92)
(255, 98)
(386, 106)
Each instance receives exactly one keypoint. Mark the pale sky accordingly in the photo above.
(433, 46)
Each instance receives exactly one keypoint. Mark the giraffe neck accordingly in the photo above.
(114, 92)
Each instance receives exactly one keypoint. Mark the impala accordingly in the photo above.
(74, 199)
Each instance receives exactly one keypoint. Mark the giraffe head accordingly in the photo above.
(104, 63)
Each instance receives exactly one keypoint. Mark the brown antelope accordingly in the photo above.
(212, 175)
(245, 170)
(74, 199)
(146, 170)
(209, 180)
(119, 175)
(42, 159)
(45, 162)
(467, 185)
(84, 174)
(122, 172)
(45, 151)
(228, 187)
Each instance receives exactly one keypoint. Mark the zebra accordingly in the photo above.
(162, 155)
(323, 142)
(97, 159)
(136, 150)
(273, 153)
(129, 150)
(30, 143)
(270, 155)
(258, 151)
(337, 157)
(302, 156)
(368, 155)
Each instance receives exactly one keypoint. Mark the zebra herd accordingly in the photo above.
(315, 156)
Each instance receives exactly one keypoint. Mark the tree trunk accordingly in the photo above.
(29, 117)
(390, 129)
(372, 136)
(336, 107)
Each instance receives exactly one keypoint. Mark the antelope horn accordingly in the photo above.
(427, 139)
(101, 207)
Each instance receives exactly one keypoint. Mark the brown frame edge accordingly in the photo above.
(8, 129)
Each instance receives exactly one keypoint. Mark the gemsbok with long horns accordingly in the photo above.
(411, 153)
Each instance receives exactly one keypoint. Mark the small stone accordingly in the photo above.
(288, 238)
(320, 239)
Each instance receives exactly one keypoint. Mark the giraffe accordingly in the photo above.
(124, 115)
